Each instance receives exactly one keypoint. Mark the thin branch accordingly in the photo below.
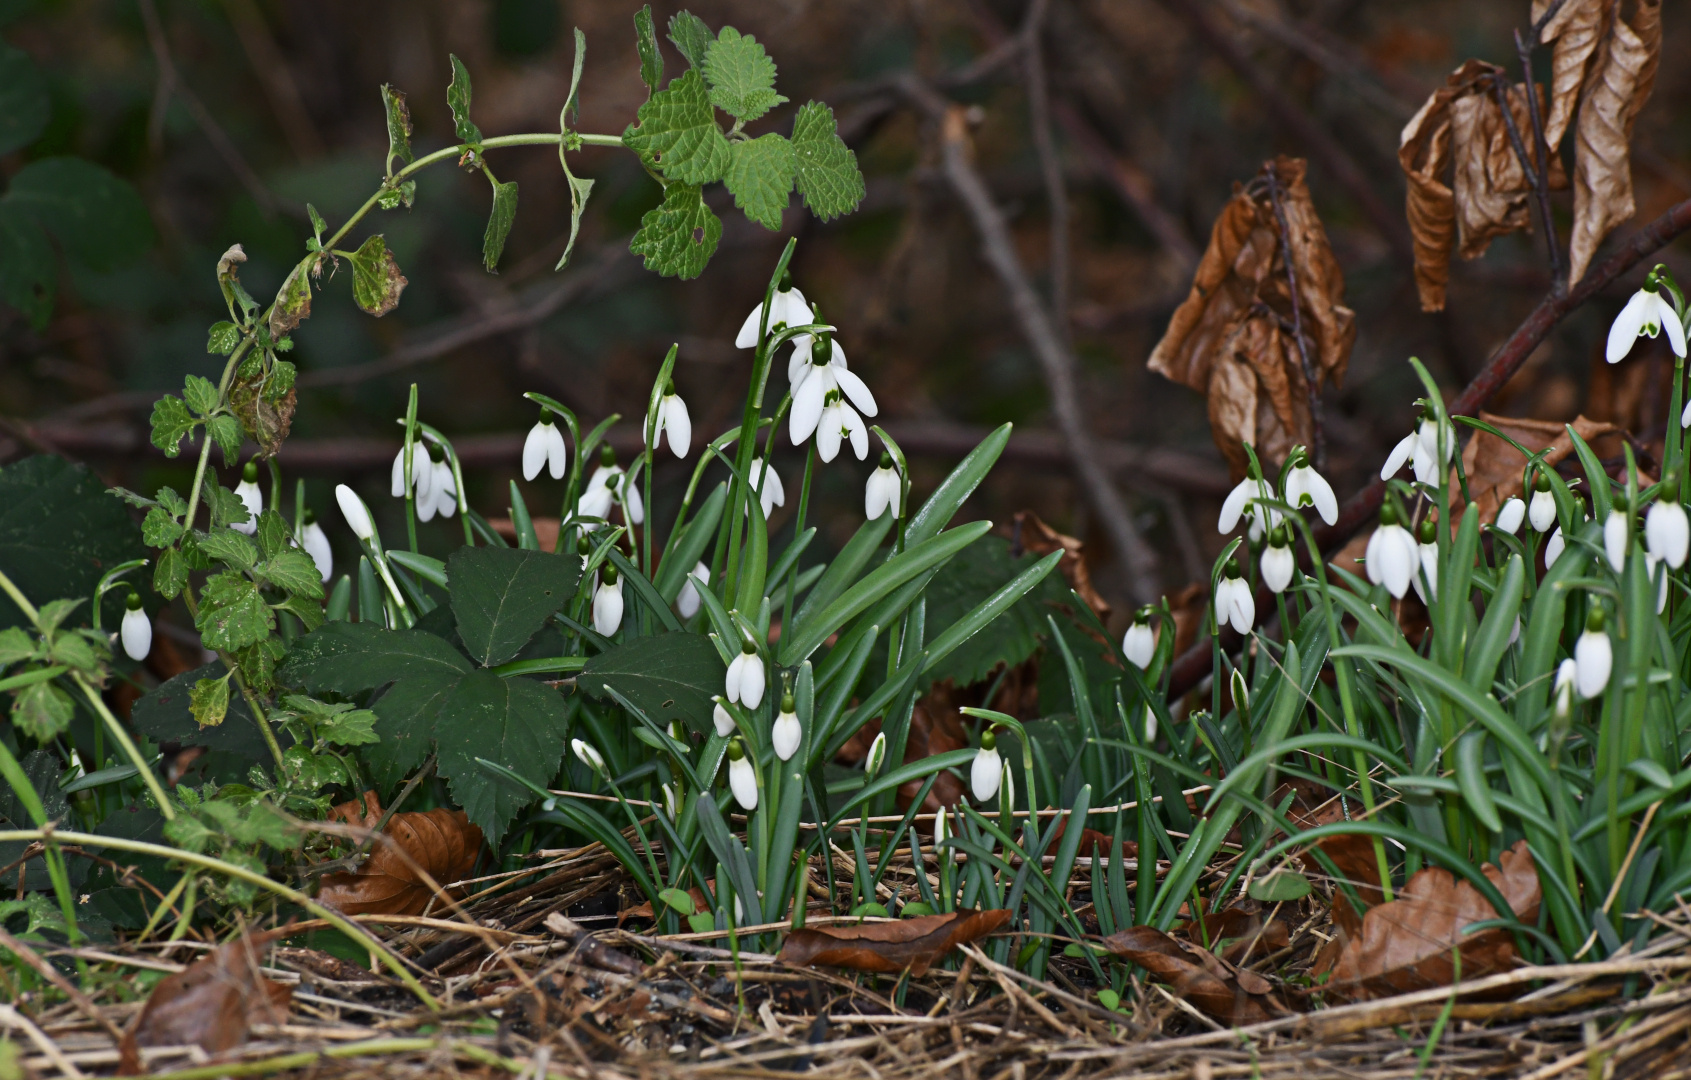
(1318, 434)
(1541, 176)
(1335, 57)
(1050, 167)
(276, 77)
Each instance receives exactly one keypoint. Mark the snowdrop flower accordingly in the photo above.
(1566, 676)
(786, 308)
(421, 474)
(1233, 600)
(1391, 554)
(316, 544)
(1421, 448)
(607, 602)
(773, 494)
(589, 756)
(786, 734)
(609, 486)
(1667, 533)
(1242, 501)
(1685, 416)
(672, 419)
(883, 490)
(1277, 561)
(545, 447)
(825, 392)
(1510, 516)
(1139, 645)
(1306, 487)
(745, 679)
(1648, 312)
(840, 422)
(1427, 581)
(671, 804)
(1650, 564)
(987, 770)
(1615, 537)
(1553, 548)
(1007, 792)
(877, 754)
(251, 497)
(1593, 656)
(723, 719)
(1150, 726)
(136, 631)
(742, 777)
(942, 828)
(1542, 510)
(687, 601)
(356, 513)
(442, 496)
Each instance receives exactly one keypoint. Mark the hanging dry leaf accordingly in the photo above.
(441, 842)
(212, 1004)
(889, 946)
(1231, 339)
(1405, 944)
(1575, 31)
(1494, 467)
(1231, 995)
(1620, 76)
(1041, 539)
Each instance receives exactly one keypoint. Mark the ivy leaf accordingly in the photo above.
(646, 42)
(668, 676)
(741, 75)
(24, 104)
(458, 100)
(222, 338)
(170, 575)
(691, 37)
(499, 224)
(761, 178)
(208, 701)
(293, 572)
(200, 395)
(828, 176)
(42, 711)
(28, 269)
(376, 280)
(232, 613)
(677, 131)
(226, 432)
(171, 421)
(678, 237)
(501, 596)
(519, 723)
(399, 122)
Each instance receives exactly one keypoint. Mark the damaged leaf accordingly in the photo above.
(440, 842)
(376, 280)
(211, 1005)
(1231, 995)
(293, 300)
(913, 944)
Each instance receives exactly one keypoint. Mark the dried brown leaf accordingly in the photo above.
(889, 946)
(1622, 74)
(212, 1004)
(440, 842)
(936, 727)
(1575, 30)
(1494, 467)
(1238, 931)
(1406, 943)
(1041, 539)
(1215, 988)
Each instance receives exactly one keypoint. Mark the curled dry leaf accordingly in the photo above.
(1231, 339)
(440, 842)
(889, 946)
(1231, 995)
(1406, 944)
(212, 1004)
(1037, 537)
(1494, 467)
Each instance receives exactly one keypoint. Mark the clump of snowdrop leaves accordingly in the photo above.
(1424, 449)
(1139, 644)
(1234, 603)
(1391, 555)
(544, 448)
(1646, 314)
(1594, 657)
(251, 497)
(607, 487)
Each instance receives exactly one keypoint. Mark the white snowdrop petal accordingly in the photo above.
(535, 447)
(353, 509)
(1277, 566)
(1593, 659)
(855, 390)
(742, 780)
(828, 434)
(1615, 539)
(253, 499)
(785, 735)
(857, 431)
(1234, 505)
(731, 681)
(752, 681)
(679, 426)
(1623, 332)
(747, 337)
(1399, 456)
(607, 609)
(136, 632)
(723, 719)
(1139, 645)
(1510, 516)
(985, 773)
(1553, 548)
(1541, 512)
(1667, 532)
(316, 544)
(808, 401)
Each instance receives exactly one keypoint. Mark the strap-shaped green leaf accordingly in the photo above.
(958, 486)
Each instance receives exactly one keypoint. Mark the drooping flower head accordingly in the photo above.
(786, 308)
(316, 544)
(1139, 644)
(607, 487)
(1234, 602)
(1391, 555)
(1647, 313)
(607, 602)
(136, 631)
(742, 777)
(442, 496)
(987, 770)
(672, 420)
(1541, 511)
(1278, 563)
(786, 733)
(1594, 657)
(883, 491)
(544, 448)
(827, 398)
(1306, 487)
(1667, 533)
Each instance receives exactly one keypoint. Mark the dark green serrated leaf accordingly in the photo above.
(458, 100)
(208, 701)
(164, 716)
(159, 529)
(24, 104)
(518, 723)
(225, 431)
(669, 676)
(499, 224)
(347, 658)
(28, 268)
(272, 534)
(399, 125)
(171, 421)
(318, 225)
(580, 188)
(222, 338)
(200, 395)
(393, 198)
(761, 177)
(691, 38)
(99, 219)
(828, 176)
(230, 548)
(42, 711)
(741, 76)
(646, 43)
(501, 596)
(15, 645)
(293, 300)
(257, 663)
(969, 579)
(376, 280)
(232, 613)
(59, 532)
(170, 575)
(677, 131)
(678, 237)
(309, 612)
(224, 506)
(293, 572)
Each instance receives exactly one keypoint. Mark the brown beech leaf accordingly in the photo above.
(1620, 77)
(936, 727)
(1405, 944)
(889, 946)
(643, 910)
(1096, 844)
(211, 1004)
(1575, 30)
(1494, 467)
(1237, 931)
(1231, 995)
(1231, 338)
(1041, 539)
(441, 842)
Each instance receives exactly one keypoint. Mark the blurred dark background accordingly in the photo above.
(229, 115)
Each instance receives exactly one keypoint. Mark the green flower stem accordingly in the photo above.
(259, 717)
(26, 794)
(798, 531)
(194, 858)
(410, 457)
(30, 678)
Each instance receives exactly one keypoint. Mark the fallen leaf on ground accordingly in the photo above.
(889, 946)
(936, 727)
(212, 1004)
(1406, 943)
(1494, 467)
(1041, 539)
(1231, 995)
(1236, 932)
(1095, 843)
(440, 842)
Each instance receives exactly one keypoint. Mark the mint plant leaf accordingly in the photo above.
(678, 237)
(458, 100)
(232, 613)
(501, 596)
(272, 534)
(15, 645)
(208, 701)
(580, 188)
(668, 676)
(293, 301)
(294, 573)
(170, 575)
(677, 130)
(222, 338)
(226, 432)
(646, 43)
(760, 175)
(200, 395)
(691, 38)
(42, 711)
(24, 103)
(159, 529)
(828, 177)
(306, 610)
(741, 75)
(499, 224)
(230, 548)
(519, 723)
(171, 421)
(376, 280)
(399, 122)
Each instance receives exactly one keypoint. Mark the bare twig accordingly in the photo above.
(84, 1006)
(273, 73)
(1541, 147)
(1318, 434)
(1050, 167)
(1336, 57)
